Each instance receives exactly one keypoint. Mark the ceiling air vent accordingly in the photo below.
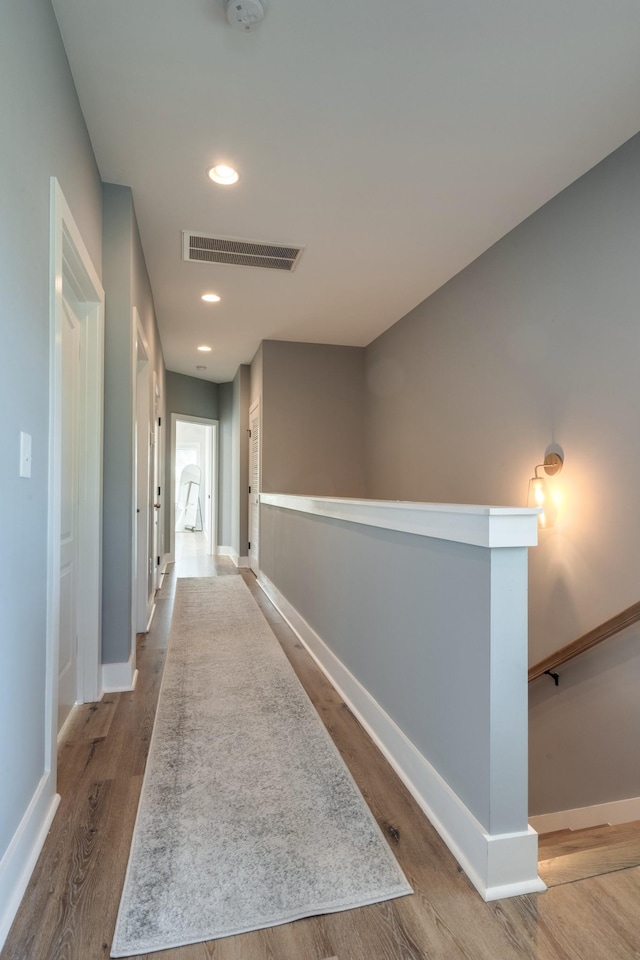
(244, 253)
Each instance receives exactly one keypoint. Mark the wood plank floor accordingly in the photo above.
(70, 906)
(570, 855)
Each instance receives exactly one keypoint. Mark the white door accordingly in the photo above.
(254, 486)
(157, 488)
(74, 584)
(68, 649)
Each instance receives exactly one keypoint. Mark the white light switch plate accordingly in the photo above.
(25, 455)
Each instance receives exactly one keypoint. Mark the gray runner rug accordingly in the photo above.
(248, 816)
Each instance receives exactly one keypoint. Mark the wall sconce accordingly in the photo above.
(539, 494)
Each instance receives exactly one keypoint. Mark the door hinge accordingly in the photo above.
(249, 547)
(158, 491)
(249, 489)
(249, 432)
(159, 421)
(158, 561)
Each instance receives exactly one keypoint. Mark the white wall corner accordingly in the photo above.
(119, 677)
(240, 561)
(23, 851)
(499, 866)
(578, 818)
(225, 552)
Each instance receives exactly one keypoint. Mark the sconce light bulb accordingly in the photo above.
(540, 495)
(536, 496)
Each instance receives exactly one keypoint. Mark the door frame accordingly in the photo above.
(215, 454)
(73, 275)
(255, 413)
(157, 489)
(143, 602)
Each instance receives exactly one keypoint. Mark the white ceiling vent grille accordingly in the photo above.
(245, 253)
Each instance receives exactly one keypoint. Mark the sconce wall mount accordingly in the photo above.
(553, 463)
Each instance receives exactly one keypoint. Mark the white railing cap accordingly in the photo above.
(479, 525)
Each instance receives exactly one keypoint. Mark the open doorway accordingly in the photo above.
(195, 484)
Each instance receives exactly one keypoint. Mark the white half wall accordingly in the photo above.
(417, 613)
(495, 864)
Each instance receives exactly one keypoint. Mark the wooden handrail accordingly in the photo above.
(588, 640)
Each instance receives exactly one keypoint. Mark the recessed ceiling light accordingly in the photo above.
(210, 297)
(223, 174)
(204, 349)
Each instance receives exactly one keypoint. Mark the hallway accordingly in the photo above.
(70, 906)
(192, 559)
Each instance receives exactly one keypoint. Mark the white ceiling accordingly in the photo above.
(395, 139)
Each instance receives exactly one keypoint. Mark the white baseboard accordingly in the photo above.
(153, 610)
(230, 552)
(617, 811)
(166, 560)
(22, 853)
(499, 866)
(119, 677)
(62, 732)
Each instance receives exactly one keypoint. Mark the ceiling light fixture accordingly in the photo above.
(211, 297)
(245, 14)
(204, 349)
(223, 174)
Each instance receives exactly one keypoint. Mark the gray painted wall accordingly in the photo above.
(312, 419)
(537, 342)
(584, 742)
(43, 135)
(127, 286)
(255, 388)
(192, 397)
(117, 580)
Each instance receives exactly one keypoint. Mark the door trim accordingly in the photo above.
(72, 273)
(170, 484)
(143, 597)
(158, 486)
(255, 413)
